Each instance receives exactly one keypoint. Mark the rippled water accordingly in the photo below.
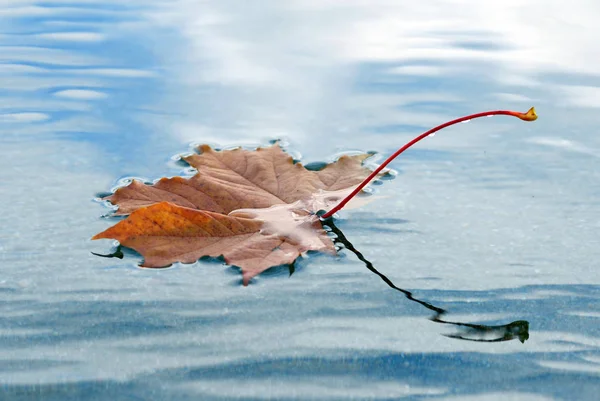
(494, 221)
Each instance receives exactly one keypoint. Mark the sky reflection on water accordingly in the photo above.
(494, 221)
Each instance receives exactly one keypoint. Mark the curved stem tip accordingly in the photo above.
(528, 116)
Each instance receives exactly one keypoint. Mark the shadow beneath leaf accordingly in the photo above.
(518, 329)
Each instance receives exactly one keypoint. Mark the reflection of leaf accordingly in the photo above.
(256, 208)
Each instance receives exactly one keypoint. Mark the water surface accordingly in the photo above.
(493, 221)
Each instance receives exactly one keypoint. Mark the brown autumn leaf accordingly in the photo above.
(256, 208)
(240, 179)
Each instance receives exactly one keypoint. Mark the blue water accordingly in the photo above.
(493, 221)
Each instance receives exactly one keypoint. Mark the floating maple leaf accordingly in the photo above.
(256, 208)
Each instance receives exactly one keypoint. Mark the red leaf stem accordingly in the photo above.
(528, 116)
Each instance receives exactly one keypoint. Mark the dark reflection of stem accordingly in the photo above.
(469, 332)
